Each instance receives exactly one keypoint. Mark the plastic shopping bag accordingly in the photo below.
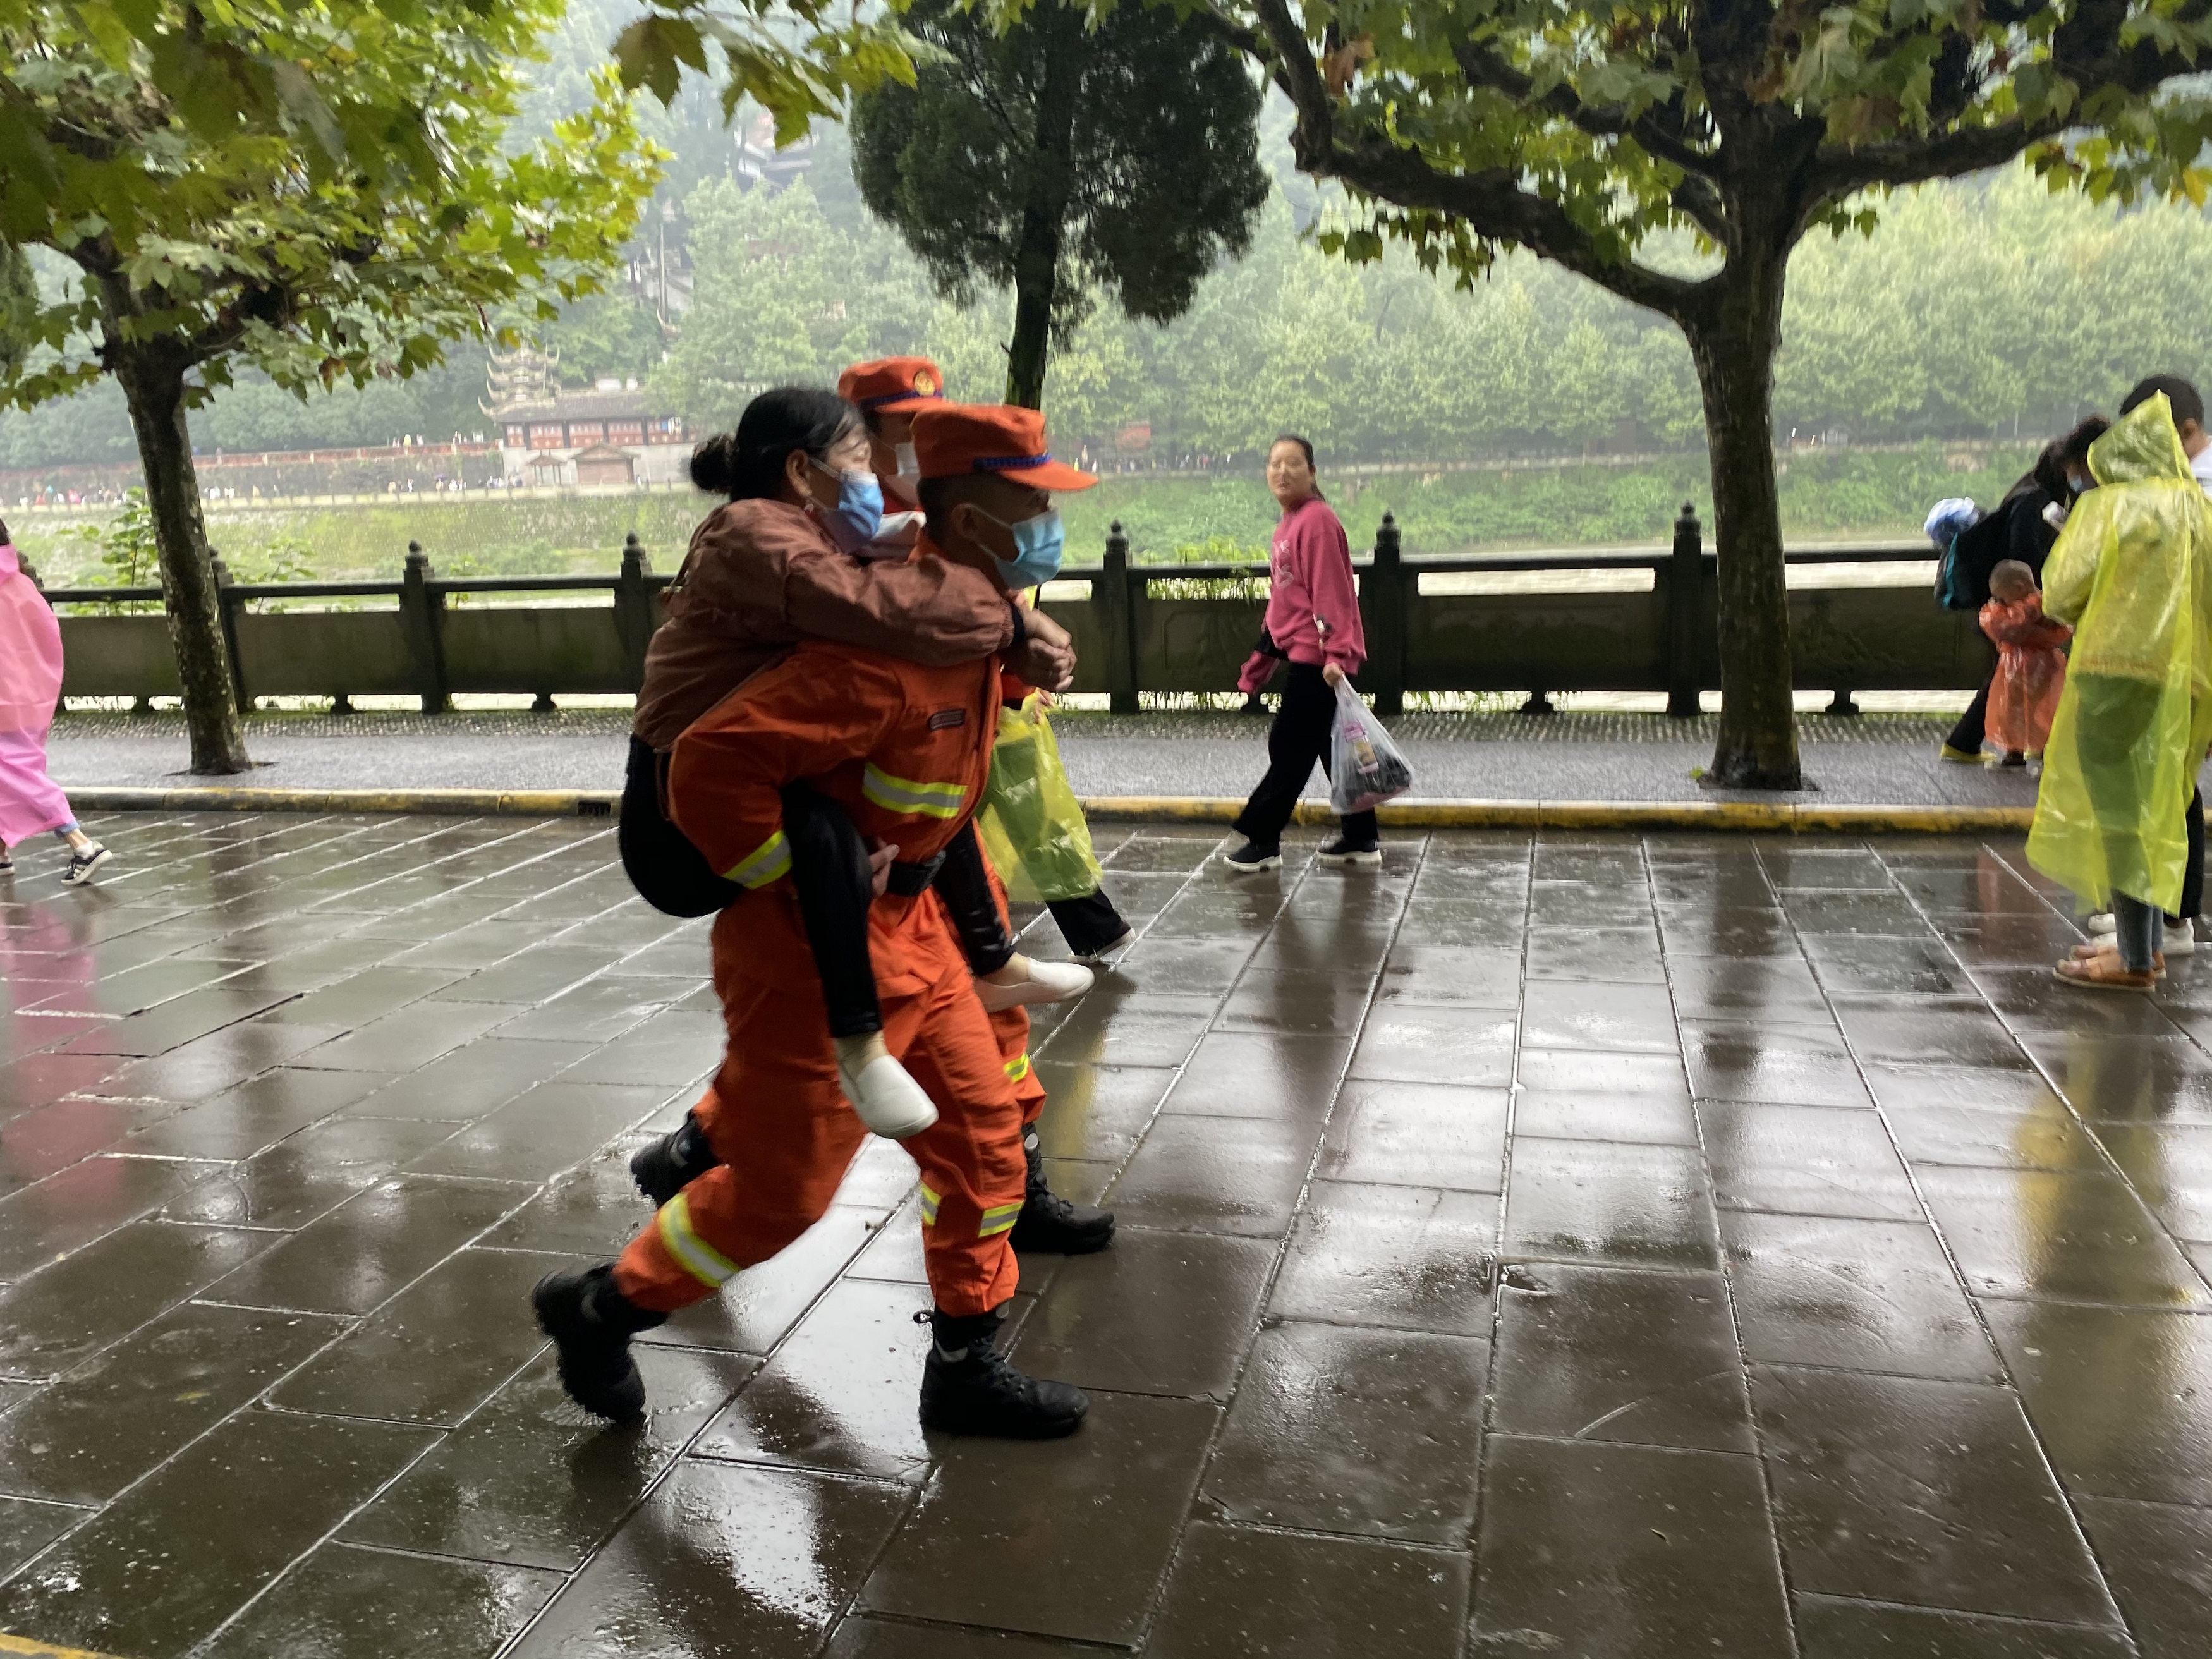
(1031, 824)
(1364, 767)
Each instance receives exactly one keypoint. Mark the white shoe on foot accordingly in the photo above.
(1041, 982)
(2180, 939)
(886, 1098)
(1112, 947)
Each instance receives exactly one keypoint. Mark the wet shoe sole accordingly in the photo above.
(1249, 867)
(1341, 859)
(1041, 1429)
(1056, 1243)
(2088, 984)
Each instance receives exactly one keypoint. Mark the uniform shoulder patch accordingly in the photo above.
(946, 718)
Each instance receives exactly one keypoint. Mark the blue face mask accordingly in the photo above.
(859, 514)
(1038, 543)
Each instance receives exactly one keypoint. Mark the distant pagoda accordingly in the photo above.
(527, 374)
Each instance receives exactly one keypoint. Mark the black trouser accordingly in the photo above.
(829, 872)
(1089, 924)
(1299, 737)
(2192, 873)
(1973, 725)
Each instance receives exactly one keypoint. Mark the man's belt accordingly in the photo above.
(909, 880)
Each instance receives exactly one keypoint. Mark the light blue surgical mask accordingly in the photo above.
(859, 514)
(1038, 543)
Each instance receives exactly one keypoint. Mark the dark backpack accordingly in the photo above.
(669, 872)
(1962, 577)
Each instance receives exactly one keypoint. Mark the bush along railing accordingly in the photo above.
(1650, 625)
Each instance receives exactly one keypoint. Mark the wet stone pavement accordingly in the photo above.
(1594, 1246)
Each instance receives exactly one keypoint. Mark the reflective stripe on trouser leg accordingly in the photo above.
(1011, 1026)
(972, 1169)
(775, 1117)
(692, 1253)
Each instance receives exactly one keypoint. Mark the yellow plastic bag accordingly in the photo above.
(1031, 824)
(2133, 572)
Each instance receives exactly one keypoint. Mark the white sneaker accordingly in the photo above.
(2179, 941)
(1098, 957)
(1046, 982)
(887, 1098)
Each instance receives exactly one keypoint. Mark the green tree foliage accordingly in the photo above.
(322, 192)
(1984, 304)
(1067, 153)
(1586, 132)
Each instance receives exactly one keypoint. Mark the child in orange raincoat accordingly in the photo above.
(2031, 668)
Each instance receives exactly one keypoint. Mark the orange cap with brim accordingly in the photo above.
(953, 440)
(892, 386)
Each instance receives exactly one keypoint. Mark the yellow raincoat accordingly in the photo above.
(2133, 572)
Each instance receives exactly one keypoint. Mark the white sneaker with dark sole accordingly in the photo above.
(82, 865)
(1248, 858)
(1341, 853)
(1098, 957)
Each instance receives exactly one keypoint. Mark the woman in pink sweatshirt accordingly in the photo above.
(1313, 621)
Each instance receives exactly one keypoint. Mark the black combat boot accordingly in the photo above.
(1049, 1224)
(969, 1387)
(592, 1323)
(673, 1162)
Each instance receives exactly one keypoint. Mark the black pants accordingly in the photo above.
(829, 872)
(1089, 924)
(2192, 873)
(1299, 737)
(1973, 725)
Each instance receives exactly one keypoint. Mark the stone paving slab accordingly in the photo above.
(1629, 1248)
(1886, 760)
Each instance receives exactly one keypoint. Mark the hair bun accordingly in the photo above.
(714, 465)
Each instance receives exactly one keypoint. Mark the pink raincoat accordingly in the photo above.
(30, 687)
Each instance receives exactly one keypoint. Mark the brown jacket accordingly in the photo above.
(760, 576)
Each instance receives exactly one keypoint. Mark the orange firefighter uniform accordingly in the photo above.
(907, 750)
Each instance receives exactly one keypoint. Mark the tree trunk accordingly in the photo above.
(153, 381)
(1734, 346)
(1044, 216)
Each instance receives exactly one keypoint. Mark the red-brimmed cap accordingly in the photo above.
(954, 440)
(892, 386)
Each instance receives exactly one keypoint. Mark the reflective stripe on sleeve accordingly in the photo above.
(771, 859)
(929, 1203)
(1018, 1068)
(998, 1218)
(935, 800)
(693, 1254)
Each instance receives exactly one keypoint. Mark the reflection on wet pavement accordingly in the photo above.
(1614, 1247)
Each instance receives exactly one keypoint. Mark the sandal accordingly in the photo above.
(2106, 946)
(2104, 972)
